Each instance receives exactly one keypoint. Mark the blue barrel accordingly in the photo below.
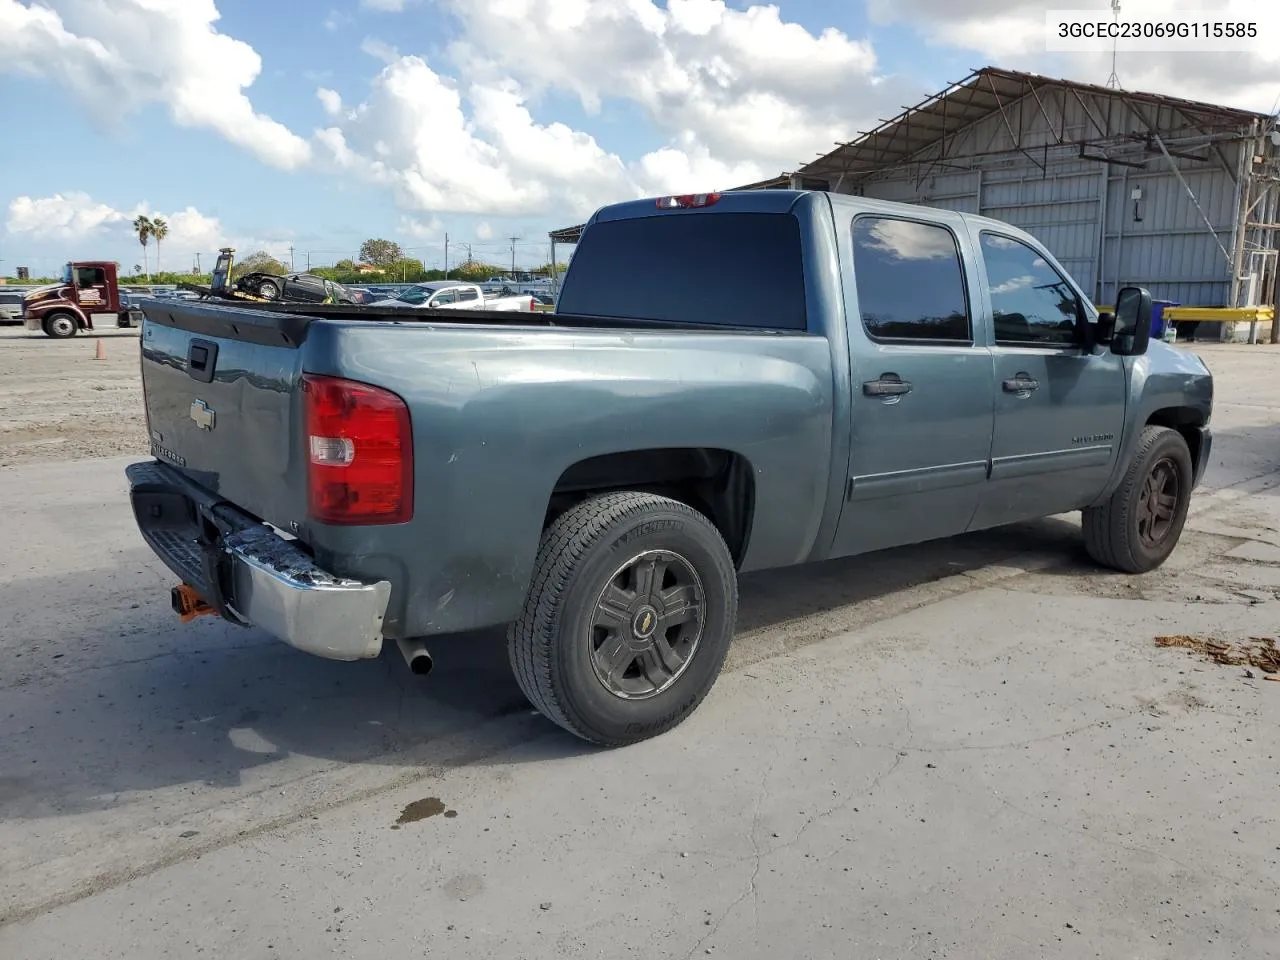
(1158, 323)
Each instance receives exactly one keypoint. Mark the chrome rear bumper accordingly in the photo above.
(250, 574)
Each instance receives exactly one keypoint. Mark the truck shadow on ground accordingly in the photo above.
(108, 701)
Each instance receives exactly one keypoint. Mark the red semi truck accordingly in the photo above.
(86, 298)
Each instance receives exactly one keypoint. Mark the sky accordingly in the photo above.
(304, 128)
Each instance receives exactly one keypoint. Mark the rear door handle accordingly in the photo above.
(889, 385)
(1022, 383)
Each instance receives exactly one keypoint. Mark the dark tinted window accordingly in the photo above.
(1030, 301)
(909, 279)
(727, 269)
(90, 276)
(448, 296)
(467, 295)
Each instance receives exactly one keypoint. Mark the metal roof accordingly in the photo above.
(987, 92)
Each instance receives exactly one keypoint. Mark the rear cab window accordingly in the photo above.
(706, 268)
(910, 281)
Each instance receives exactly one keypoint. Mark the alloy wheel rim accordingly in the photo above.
(647, 625)
(1158, 502)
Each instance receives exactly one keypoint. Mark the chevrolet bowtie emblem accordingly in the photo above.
(202, 414)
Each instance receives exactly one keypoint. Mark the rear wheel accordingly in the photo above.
(1140, 525)
(628, 619)
(60, 326)
(269, 290)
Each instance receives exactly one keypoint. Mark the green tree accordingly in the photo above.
(159, 230)
(142, 226)
(381, 253)
(261, 262)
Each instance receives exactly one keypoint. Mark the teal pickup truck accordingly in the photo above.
(799, 376)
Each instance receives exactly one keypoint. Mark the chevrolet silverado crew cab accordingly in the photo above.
(863, 375)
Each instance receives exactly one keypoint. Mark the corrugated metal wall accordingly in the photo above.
(1082, 209)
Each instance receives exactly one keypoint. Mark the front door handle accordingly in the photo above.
(1022, 383)
(889, 385)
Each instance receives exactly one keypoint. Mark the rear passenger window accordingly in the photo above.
(465, 295)
(910, 281)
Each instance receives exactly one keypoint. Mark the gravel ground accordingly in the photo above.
(57, 402)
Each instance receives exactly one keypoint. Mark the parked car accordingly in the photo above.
(11, 306)
(597, 478)
(456, 295)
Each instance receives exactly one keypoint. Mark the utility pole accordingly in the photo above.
(446, 256)
(308, 261)
(197, 264)
(470, 261)
(513, 257)
(291, 258)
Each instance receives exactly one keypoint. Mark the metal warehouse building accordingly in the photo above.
(1123, 187)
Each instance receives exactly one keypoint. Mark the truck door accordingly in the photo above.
(1059, 410)
(95, 296)
(921, 411)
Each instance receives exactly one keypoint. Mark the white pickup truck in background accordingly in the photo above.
(454, 295)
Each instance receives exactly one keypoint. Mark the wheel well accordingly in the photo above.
(1186, 420)
(718, 483)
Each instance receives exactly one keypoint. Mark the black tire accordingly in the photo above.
(555, 647)
(269, 290)
(1123, 533)
(61, 326)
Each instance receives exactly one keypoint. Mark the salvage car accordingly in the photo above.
(295, 288)
(597, 477)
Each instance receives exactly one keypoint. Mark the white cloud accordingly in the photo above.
(116, 56)
(379, 50)
(68, 216)
(484, 231)
(330, 100)
(741, 95)
(414, 135)
(743, 86)
(388, 6)
(335, 20)
(421, 229)
(78, 217)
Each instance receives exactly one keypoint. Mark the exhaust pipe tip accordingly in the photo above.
(416, 656)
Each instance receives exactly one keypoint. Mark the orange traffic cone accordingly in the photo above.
(101, 353)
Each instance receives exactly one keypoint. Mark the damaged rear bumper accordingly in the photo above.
(251, 575)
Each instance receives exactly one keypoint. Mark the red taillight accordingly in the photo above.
(688, 200)
(359, 453)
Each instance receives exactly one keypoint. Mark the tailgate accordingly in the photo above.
(223, 403)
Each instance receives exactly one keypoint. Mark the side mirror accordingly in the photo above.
(1132, 332)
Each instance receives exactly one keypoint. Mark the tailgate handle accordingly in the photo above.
(202, 357)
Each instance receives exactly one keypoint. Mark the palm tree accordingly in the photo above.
(159, 230)
(142, 227)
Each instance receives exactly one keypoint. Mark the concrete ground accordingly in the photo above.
(973, 748)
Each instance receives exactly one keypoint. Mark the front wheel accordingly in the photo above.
(60, 326)
(1139, 526)
(269, 290)
(628, 620)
